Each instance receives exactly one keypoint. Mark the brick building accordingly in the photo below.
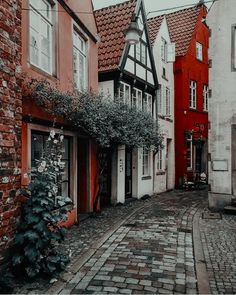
(10, 117)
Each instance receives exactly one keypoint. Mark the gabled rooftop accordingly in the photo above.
(181, 25)
(112, 21)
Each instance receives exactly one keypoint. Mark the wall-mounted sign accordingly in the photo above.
(219, 165)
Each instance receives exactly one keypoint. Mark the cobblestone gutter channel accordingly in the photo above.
(149, 251)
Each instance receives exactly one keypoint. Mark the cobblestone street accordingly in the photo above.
(147, 247)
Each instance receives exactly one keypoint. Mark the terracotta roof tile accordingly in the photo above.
(181, 26)
(112, 21)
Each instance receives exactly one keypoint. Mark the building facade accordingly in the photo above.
(222, 135)
(164, 56)
(127, 73)
(59, 44)
(191, 35)
(11, 118)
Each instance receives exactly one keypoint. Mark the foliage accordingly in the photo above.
(34, 247)
(108, 122)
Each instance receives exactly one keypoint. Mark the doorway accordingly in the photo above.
(233, 156)
(128, 173)
(168, 164)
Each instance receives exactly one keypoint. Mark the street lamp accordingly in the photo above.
(133, 33)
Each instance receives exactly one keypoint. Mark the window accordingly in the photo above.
(124, 93)
(80, 62)
(40, 34)
(193, 94)
(141, 52)
(146, 162)
(205, 98)
(38, 144)
(234, 47)
(163, 50)
(199, 54)
(137, 99)
(159, 101)
(163, 72)
(189, 152)
(168, 102)
(147, 103)
(159, 161)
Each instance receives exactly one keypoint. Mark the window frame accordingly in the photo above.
(146, 165)
(199, 51)
(84, 54)
(205, 98)
(168, 102)
(160, 161)
(233, 49)
(49, 21)
(124, 100)
(160, 101)
(189, 140)
(163, 50)
(193, 94)
(148, 98)
(139, 100)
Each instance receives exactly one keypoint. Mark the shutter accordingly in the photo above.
(171, 52)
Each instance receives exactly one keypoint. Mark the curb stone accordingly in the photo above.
(201, 270)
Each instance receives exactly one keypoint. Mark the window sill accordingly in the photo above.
(160, 173)
(42, 72)
(146, 177)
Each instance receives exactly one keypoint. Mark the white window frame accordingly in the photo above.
(48, 20)
(163, 50)
(160, 100)
(147, 103)
(193, 94)
(160, 161)
(125, 93)
(190, 148)
(199, 51)
(137, 97)
(168, 103)
(78, 52)
(205, 98)
(146, 162)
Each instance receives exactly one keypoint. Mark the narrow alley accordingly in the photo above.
(146, 247)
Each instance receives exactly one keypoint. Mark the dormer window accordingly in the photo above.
(199, 54)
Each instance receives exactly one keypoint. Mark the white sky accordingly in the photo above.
(150, 5)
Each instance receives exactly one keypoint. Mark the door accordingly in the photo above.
(105, 177)
(234, 160)
(128, 173)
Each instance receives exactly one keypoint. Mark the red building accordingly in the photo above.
(59, 44)
(191, 35)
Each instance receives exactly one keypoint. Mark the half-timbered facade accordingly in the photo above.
(127, 73)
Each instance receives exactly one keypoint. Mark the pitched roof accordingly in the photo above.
(112, 21)
(181, 25)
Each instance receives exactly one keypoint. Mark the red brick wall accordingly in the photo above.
(10, 117)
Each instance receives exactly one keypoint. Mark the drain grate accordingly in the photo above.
(130, 225)
(211, 215)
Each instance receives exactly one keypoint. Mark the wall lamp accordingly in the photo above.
(133, 33)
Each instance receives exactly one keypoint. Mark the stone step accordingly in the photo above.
(230, 209)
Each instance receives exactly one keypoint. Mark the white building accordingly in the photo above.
(128, 73)
(164, 56)
(222, 116)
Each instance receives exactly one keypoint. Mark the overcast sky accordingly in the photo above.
(150, 5)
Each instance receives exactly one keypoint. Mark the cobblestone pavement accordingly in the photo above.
(151, 253)
(219, 244)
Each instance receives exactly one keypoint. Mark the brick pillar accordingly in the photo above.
(10, 117)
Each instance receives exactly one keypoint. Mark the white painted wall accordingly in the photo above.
(222, 106)
(166, 126)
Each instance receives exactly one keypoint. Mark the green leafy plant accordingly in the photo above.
(34, 247)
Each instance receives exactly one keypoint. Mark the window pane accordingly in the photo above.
(44, 9)
(34, 47)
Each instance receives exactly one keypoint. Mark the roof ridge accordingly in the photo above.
(115, 5)
(177, 11)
